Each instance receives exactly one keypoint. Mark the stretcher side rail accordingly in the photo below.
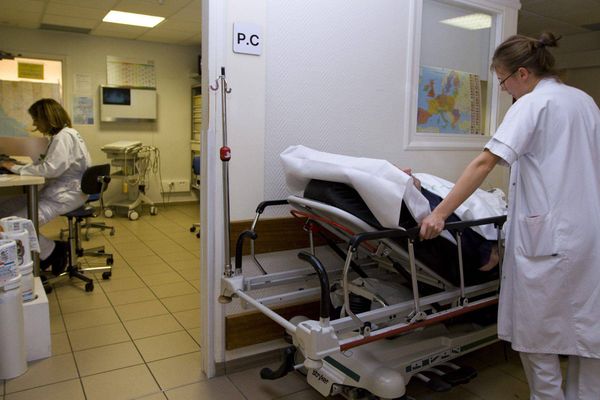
(252, 235)
(413, 233)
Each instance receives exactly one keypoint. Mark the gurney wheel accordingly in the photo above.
(133, 215)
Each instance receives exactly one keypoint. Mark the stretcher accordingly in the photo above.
(396, 317)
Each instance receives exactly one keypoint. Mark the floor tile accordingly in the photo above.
(165, 346)
(306, 394)
(98, 336)
(215, 389)
(130, 296)
(188, 319)
(151, 269)
(162, 278)
(122, 384)
(189, 274)
(253, 387)
(70, 305)
(196, 334)
(126, 283)
(70, 390)
(178, 371)
(152, 326)
(57, 325)
(90, 318)
(494, 384)
(173, 289)
(143, 309)
(44, 372)
(182, 303)
(60, 344)
(107, 358)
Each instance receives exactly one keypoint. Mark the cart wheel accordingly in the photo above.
(112, 232)
(106, 275)
(108, 213)
(109, 261)
(133, 215)
(153, 210)
(89, 287)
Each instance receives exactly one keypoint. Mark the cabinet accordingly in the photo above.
(196, 134)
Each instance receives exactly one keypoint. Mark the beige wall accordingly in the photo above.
(85, 54)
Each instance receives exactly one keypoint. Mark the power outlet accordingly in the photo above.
(176, 185)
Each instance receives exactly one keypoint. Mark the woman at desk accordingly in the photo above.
(62, 166)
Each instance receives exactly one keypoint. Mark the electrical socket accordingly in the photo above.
(176, 185)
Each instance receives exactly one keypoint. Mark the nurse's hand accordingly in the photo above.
(432, 226)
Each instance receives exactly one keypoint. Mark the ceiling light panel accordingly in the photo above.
(471, 22)
(126, 18)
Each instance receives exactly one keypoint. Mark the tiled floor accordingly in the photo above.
(136, 336)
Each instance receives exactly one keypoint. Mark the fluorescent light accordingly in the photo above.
(127, 18)
(471, 22)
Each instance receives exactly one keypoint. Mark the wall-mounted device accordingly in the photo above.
(126, 103)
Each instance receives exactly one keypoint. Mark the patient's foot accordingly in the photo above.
(493, 261)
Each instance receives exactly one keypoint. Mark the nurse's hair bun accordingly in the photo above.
(547, 39)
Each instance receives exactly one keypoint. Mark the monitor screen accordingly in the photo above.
(116, 96)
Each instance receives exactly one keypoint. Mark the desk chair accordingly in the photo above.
(89, 223)
(196, 184)
(94, 181)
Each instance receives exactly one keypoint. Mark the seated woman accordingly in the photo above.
(63, 165)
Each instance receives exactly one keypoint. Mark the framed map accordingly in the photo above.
(449, 102)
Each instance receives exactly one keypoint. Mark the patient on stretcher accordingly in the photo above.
(480, 255)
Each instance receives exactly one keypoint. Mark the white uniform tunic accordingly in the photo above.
(550, 288)
(65, 161)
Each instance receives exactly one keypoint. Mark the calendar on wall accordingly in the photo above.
(130, 72)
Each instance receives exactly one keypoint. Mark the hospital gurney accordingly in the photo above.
(346, 354)
(134, 162)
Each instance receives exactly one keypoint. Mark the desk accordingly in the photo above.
(30, 187)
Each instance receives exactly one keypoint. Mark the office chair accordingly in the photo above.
(196, 184)
(94, 181)
(88, 223)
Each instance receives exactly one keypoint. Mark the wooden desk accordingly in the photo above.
(30, 187)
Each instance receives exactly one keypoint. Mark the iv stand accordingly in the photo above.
(225, 155)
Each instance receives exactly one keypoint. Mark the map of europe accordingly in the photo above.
(449, 101)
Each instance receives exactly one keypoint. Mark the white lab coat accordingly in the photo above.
(550, 288)
(63, 165)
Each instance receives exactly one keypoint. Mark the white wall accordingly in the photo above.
(86, 54)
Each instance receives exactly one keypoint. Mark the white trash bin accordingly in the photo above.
(13, 356)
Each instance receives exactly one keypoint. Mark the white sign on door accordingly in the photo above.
(247, 38)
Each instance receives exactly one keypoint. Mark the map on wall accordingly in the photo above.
(15, 99)
(449, 101)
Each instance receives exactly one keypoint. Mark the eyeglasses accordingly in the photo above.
(501, 83)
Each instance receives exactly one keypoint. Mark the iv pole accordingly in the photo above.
(225, 156)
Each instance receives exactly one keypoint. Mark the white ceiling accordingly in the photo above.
(183, 17)
(181, 26)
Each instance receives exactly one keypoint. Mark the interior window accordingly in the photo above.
(22, 82)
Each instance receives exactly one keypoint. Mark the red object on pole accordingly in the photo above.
(225, 153)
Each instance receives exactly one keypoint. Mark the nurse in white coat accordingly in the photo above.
(63, 165)
(550, 287)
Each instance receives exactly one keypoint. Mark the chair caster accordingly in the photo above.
(108, 213)
(89, 287)
(198, 235)
(106, 275)
(112, 232)
(133, 215)
(153, 210)
(109, 261)
(193, 229)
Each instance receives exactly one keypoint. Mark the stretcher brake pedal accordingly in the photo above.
(459, 376)
(286, 366)
(433, 381)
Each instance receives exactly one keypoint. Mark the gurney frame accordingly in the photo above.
(326, 344)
